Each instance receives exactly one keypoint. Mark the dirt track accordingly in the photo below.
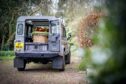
(40, 74)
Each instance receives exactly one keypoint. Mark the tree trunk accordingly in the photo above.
(2, 44)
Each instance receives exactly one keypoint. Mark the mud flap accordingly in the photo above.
(58, 63)
(68, 58)
(19, 63)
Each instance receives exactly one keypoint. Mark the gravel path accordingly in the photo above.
(40, 74)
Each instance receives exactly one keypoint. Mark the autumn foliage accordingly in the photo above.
(87, 27)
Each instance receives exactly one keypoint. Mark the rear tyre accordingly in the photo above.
(20, 69)
(63, 67)
(20, 64)
(59, 63)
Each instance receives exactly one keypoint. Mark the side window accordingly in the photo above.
(20, 29)
(64, 32)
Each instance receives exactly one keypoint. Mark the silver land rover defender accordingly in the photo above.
(41, 39)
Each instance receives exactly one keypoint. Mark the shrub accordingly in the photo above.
(7, 53)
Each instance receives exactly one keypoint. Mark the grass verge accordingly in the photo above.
(7, 57)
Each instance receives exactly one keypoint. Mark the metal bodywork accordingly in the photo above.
(55, 50)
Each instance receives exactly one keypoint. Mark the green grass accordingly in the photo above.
(86, 60)
(7, 57)
(7, 53)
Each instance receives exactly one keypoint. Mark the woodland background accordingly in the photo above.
(101, 40)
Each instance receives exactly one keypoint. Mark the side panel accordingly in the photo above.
(64, 48)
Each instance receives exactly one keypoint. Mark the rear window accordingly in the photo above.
(20, 29)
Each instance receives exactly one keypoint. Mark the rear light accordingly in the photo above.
(19, 45)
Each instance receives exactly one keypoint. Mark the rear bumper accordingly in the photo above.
(37, 54)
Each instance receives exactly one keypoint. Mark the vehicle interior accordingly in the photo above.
(34, 29)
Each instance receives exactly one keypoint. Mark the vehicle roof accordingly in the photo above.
(23, 18)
